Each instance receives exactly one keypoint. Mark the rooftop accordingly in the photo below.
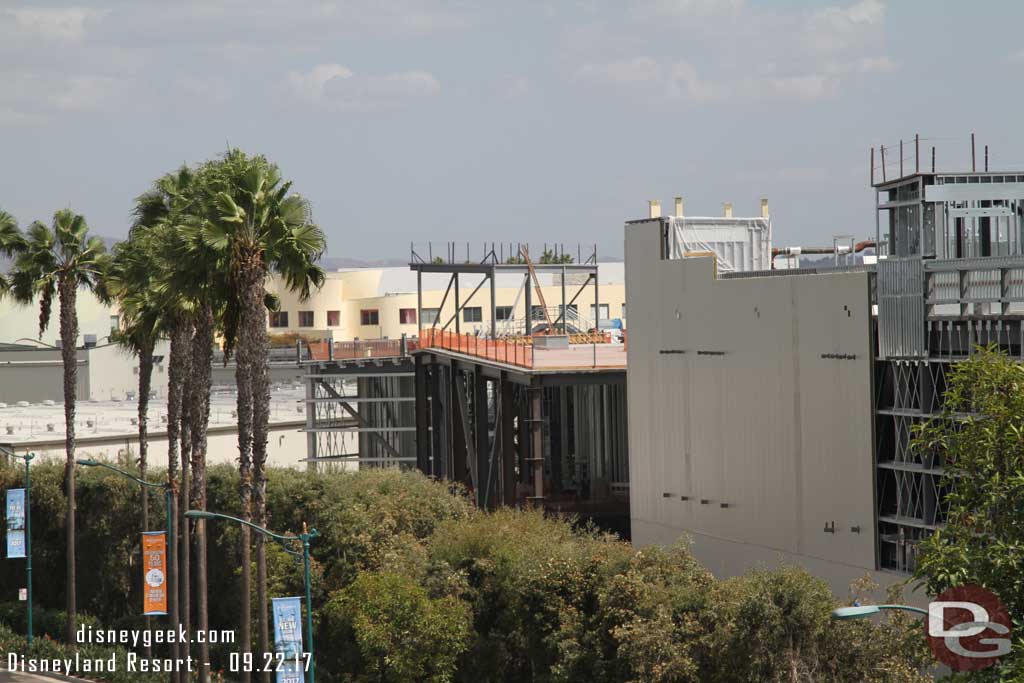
(39, 422)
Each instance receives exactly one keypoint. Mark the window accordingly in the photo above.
(605, 313)
(472, 314)
(115, 323)
(333, 318)
(369, 316)
(305, 318)
(503, 313)
(430, 315)
(279, 319)
(407, 316)
(623, 310)
(536, 312)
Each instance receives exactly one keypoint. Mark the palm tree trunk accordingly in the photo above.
(251, 286)
(145, 381)
(174, 387)
(244, 386)
(184, 523)
(202, 359)
(255, 329)
(67, 291)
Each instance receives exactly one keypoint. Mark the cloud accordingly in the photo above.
(705, 52)
(679, 82)
(334, 87)
(515, 88)
(68, 23)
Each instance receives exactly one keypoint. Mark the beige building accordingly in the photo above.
(381, 303)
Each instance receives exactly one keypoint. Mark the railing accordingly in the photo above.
(363, 348)
(498, 350)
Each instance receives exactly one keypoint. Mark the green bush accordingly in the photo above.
(412, 583)
(401, 633)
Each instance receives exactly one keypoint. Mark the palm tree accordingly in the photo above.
(10, 242)
(56, 261)
(258, 228)
(128, 282)
(156, 214)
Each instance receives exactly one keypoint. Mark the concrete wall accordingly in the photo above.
(114, 373)
(732, 402)
(37, 375)
(104, 373)
(17, 321)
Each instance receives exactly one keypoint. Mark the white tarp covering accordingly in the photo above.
(740, 244)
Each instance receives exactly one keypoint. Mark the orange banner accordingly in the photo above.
(154, 573)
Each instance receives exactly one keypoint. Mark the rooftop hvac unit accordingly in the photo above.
(90, 341)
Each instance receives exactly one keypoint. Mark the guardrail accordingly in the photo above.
(501, 351)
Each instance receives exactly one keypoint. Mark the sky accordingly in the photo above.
(535, 120)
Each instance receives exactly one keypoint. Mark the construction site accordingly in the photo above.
(529, 409)
(770, 401)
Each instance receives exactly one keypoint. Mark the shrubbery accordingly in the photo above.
(414, 584)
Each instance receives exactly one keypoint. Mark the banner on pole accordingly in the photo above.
(154, 568)
(15, 523)
(288, 639)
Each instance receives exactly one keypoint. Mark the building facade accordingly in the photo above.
(381, 303)
(771, 411)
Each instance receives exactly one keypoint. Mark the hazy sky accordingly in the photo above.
(526, 120)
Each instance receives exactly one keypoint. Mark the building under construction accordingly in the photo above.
(771, 409)
(528, 408)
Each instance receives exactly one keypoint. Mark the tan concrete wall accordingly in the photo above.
(772, 429)
(18, 321)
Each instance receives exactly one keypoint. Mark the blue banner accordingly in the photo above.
(15, 523)
(288, 639)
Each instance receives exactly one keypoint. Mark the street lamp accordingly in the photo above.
(862, 611)
(305, 537)
(171, 541)
(28, 457)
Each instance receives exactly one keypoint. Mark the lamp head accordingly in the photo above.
(87, 462)
(855, 612)
(198, 514)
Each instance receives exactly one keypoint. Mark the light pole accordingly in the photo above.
(862, 611)
(304, 538)
(28, 457)
(172, 585)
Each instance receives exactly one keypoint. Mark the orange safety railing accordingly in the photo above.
(483, 347)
